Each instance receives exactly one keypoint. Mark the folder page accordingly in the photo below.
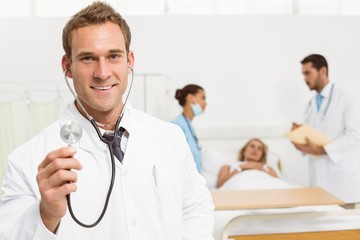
(300, 134)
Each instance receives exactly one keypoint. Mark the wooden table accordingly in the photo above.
(272, 198)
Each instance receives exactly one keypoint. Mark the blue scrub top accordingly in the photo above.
(191, 138)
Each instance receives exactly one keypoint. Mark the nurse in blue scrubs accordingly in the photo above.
(193, 101)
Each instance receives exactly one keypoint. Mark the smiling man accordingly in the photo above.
(150, 191)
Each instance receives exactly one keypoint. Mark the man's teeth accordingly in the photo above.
(103, 88)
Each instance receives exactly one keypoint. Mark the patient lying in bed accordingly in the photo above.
(251, 171)
(253, 179)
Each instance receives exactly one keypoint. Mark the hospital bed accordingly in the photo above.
(299, 213)
(289, 214)
(348, 228)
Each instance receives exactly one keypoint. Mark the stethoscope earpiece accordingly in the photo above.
(67, 71)
(131, 69)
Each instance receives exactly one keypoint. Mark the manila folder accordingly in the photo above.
(300, 134)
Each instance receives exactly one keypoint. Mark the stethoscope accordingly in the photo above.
(327, 105)
(191, 131)
(71, 133)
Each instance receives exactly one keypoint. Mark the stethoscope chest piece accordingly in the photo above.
(71, 132)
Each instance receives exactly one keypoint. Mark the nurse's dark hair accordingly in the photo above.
(264, 154)
(95, 14)
(318, 61)
(181, 94)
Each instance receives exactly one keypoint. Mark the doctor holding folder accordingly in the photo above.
(330, 135)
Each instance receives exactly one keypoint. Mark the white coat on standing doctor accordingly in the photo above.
(335, 166)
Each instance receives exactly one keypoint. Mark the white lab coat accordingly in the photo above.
(339, 119)
(172, 204)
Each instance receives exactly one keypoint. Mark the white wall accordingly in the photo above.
(248, 65)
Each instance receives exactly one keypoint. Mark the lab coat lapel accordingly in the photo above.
(91, 142)
(137, 134)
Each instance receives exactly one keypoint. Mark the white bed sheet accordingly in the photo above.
(212, 161)
(254, 179)
(284, 225)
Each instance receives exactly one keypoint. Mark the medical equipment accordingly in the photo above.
(71, 132)
(330, 98)
(327, 105)
(191, 131)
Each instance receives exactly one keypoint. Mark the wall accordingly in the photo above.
(248, 65)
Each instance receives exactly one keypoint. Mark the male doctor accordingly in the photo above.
(157, 194)
(335, 113)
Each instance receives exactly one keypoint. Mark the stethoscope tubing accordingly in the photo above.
(191, 131)
(104, 140)
(111, 186)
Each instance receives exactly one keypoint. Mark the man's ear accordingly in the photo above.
(130, 60)
(323, 71)
(66, 66)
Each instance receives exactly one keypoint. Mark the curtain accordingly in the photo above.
(14, 121)
(44, 102)
(43, 114)
(24, 111)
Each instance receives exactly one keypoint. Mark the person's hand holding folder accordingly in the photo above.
(307, 139)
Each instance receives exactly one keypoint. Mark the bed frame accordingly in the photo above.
(284, 198)
(338, 234)
(272, 198)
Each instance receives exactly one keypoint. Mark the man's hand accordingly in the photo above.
(309, 148)
(56, 180)
(295, 126)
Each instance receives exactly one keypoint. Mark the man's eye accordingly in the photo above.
(87, 58)
(114, 56)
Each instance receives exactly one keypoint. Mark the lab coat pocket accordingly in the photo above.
(168, 200)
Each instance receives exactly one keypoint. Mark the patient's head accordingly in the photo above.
(254, 150)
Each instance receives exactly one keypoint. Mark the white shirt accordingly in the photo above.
(169, 203)
(339, 119)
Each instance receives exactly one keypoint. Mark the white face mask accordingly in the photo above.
(196, 109)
